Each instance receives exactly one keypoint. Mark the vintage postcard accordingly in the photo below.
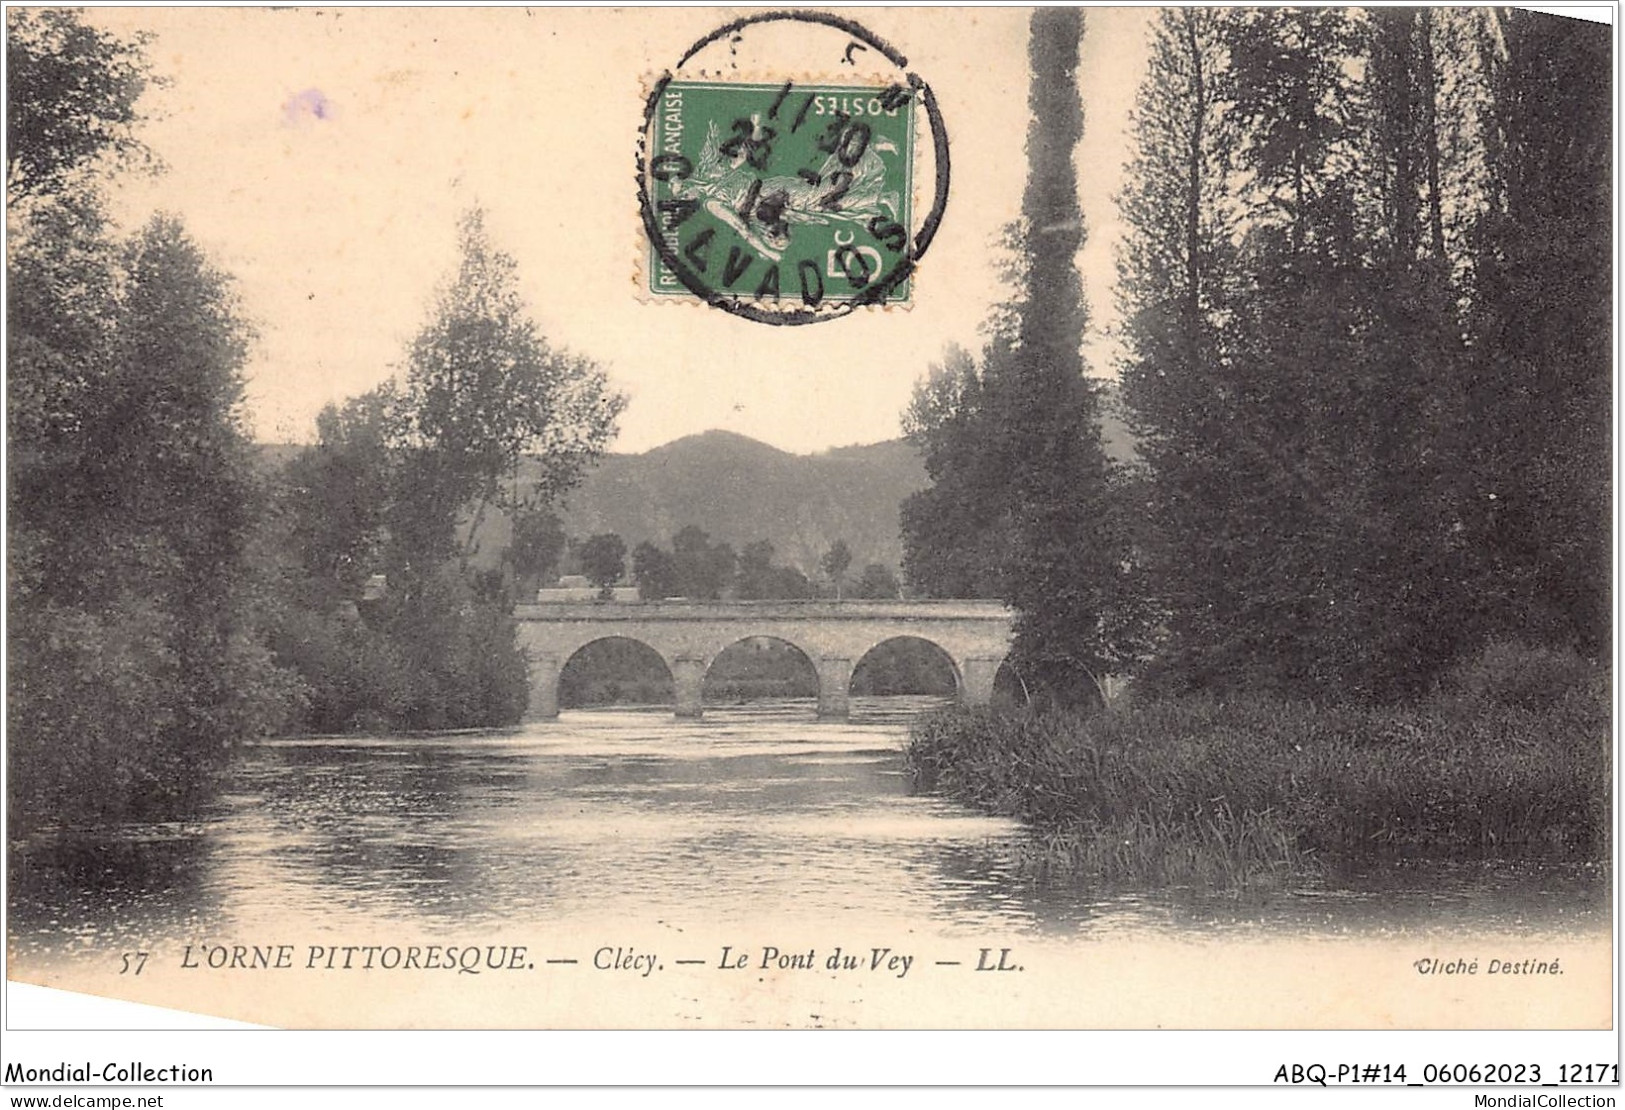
(583, 519)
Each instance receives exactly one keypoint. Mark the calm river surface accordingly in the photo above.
(757, 815)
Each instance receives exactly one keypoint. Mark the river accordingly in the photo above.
(613, 836)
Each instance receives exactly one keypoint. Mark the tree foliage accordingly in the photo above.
(877, 582)
(136, 660)
(1537, 512)
(702, 569)
(654, 569)
(603, 559)
(835, 563)
(759, 578)
(955, 529)
(397, 486)
(698, 569)
(538, 543)
(71, 96)
(482, 389)
(1324, 339)
(335, 498)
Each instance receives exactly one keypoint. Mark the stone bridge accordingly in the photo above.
(833, 635)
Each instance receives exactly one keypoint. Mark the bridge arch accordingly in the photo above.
(728, 677)
(618, 666)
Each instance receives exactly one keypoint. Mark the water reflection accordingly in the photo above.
(756, 814)
(80, 894)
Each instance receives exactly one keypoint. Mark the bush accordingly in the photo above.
(438, 656)
(355, 678)
(90, 716)
(461, 653)
(103, 725)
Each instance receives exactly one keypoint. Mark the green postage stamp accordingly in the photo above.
(784, 196)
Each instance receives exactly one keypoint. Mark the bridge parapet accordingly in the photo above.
(815, 609)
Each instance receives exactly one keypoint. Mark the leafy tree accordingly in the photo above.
(755, 578)
(955, 531)
(1418, 365)
(1295, 100)
(790, 583)
(835, 563)
(1347, 315)
(124, 363)
(71, 95)
(407, 465)
(878, 582)
(179, 458)
(1314, 560)
(1537, 512)
(356, 676)
(1372, 560)
(703, 569)
(458, 647)
(654, 569)
(482, 389)
(1178, 284)
(134, 642)
(336, 497)
(388, 487)
(759, 578)
(603, 560)
(538, 543)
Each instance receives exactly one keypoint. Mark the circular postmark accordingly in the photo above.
(778, 168)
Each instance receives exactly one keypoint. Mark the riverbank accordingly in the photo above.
(1258, 791)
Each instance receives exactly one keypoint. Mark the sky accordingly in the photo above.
(322, 157)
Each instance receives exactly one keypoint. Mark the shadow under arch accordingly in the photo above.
(1012, 688)
(754, 668)
(906, 665)
(615, 670)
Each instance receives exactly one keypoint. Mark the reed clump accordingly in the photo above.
(1253, 790)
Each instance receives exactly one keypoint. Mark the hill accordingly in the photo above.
(739, 490)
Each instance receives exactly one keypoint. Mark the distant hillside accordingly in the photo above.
(740, 490)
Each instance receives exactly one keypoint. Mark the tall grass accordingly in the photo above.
(1254, 790)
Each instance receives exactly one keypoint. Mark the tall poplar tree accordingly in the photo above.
(1178, 287)
(1067, 566)
(1541, 333)
(1022, 501)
